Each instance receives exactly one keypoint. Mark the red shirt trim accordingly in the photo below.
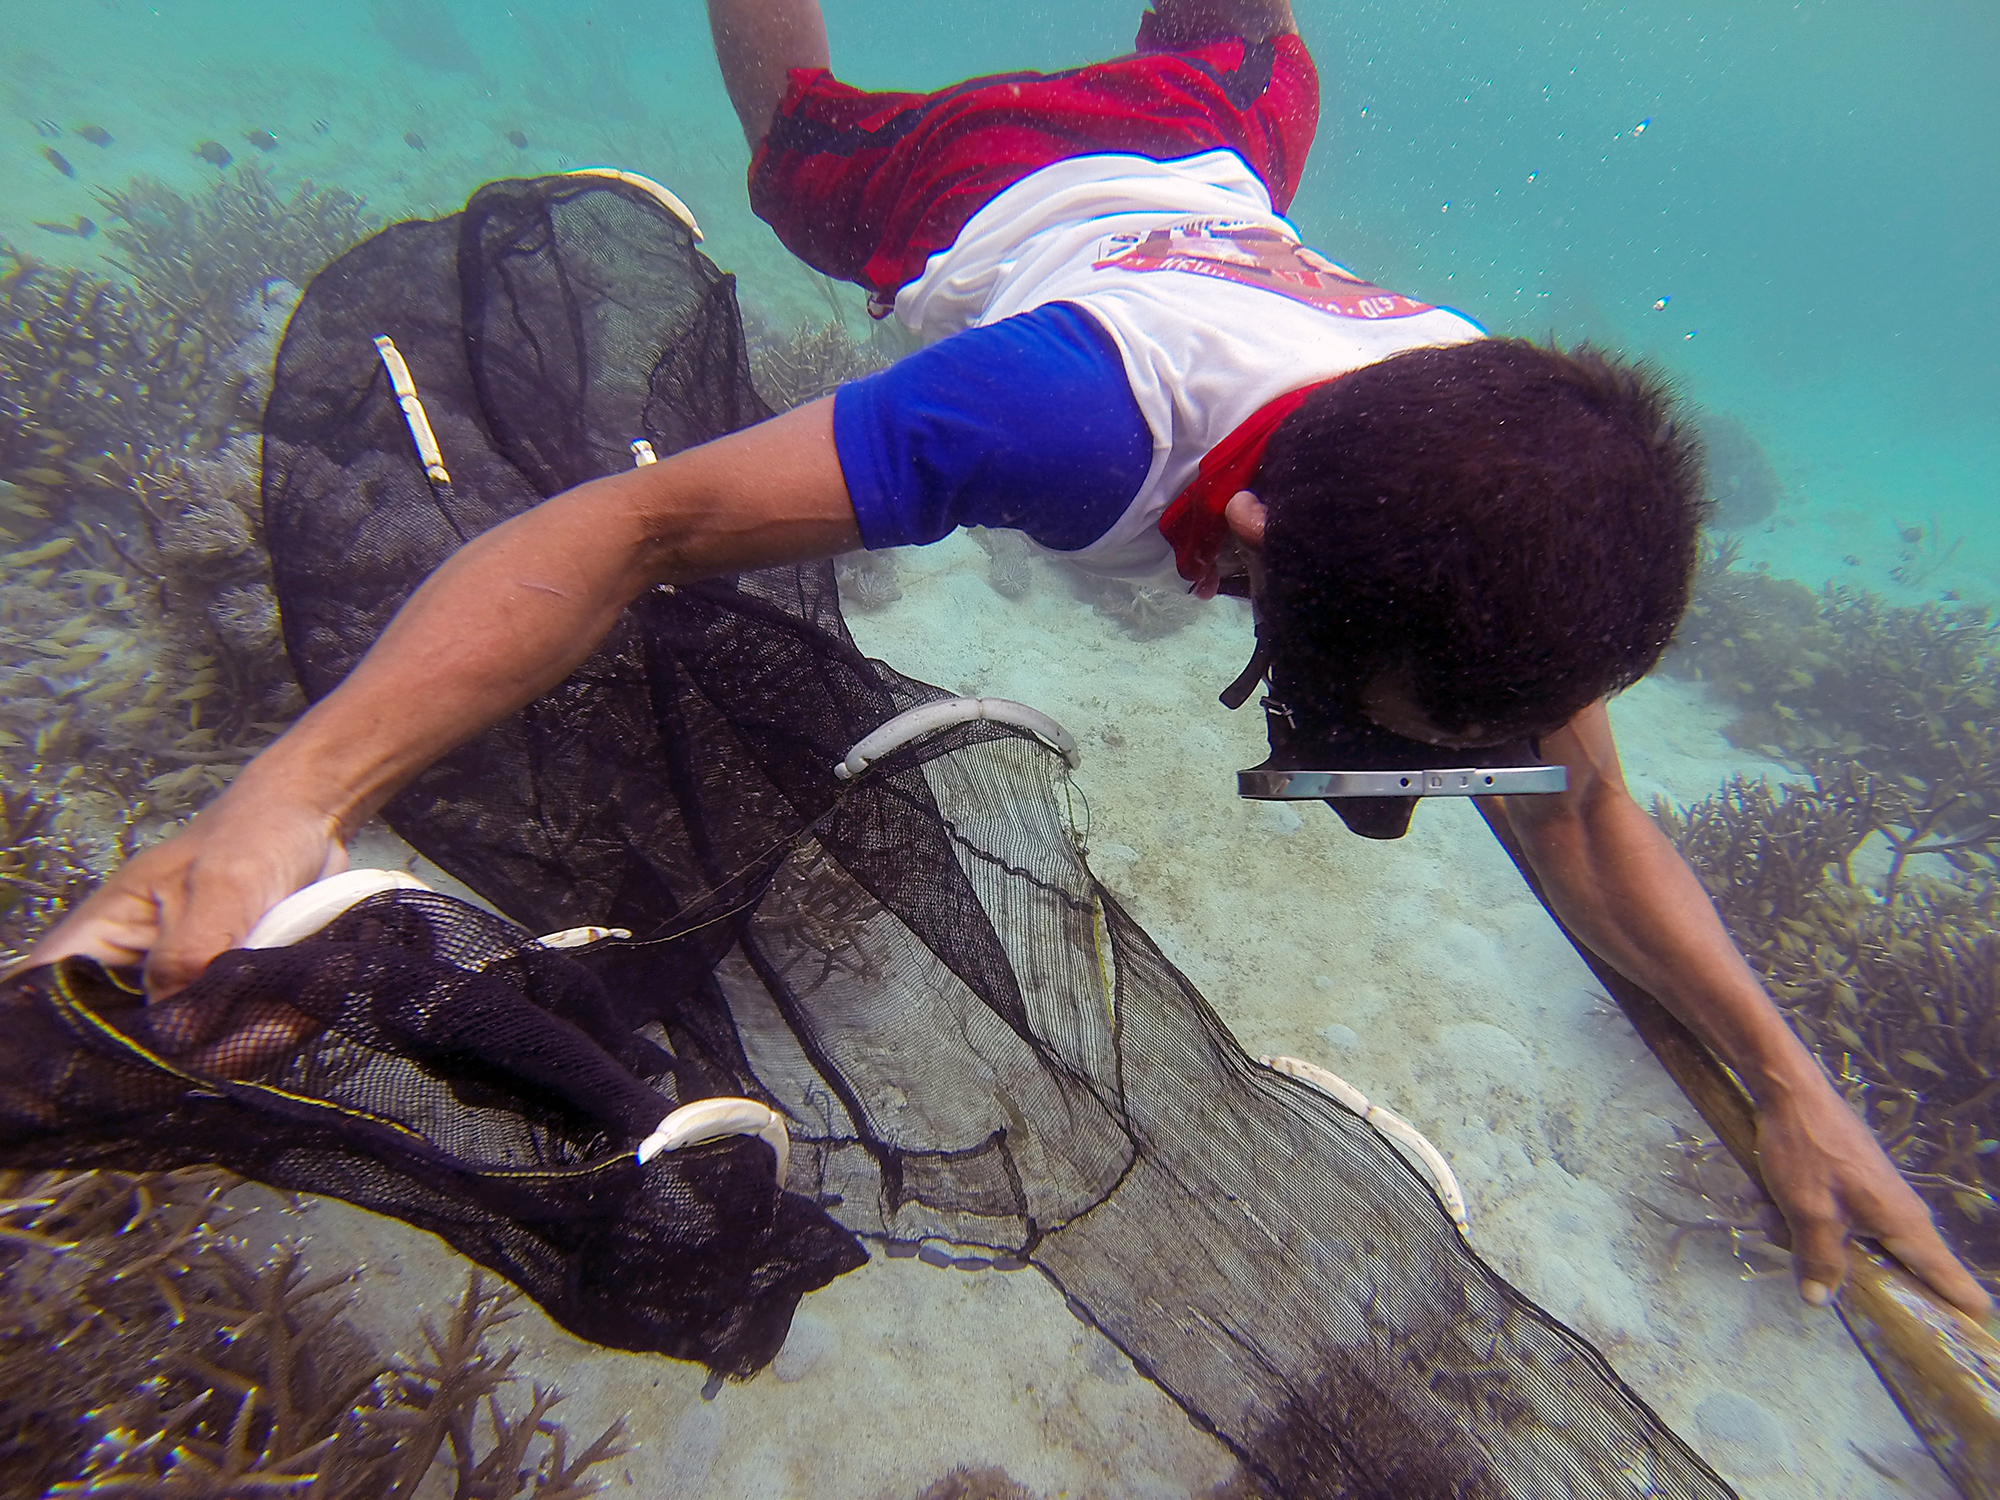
(1194, 524)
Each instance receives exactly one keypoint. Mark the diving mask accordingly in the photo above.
(1372, 777)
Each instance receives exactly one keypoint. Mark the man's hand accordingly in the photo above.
(1618, 885)
(181, 902)
(1831, 1180)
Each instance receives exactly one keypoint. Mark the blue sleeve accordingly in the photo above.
(1027, 423)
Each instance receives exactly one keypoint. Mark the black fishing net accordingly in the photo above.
(979, 1054)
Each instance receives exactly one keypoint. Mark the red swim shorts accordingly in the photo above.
(866, 187)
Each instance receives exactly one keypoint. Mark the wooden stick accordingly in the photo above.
(1940, 1366)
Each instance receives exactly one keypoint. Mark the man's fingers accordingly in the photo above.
(221, 906)
(115, 925)
(1819, 1258)
(1927, 1257)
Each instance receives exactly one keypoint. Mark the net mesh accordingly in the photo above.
(978, 1052)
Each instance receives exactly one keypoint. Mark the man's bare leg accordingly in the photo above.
(1191, 22)
(758, 42)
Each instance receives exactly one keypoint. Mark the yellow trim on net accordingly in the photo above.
(75, 1010)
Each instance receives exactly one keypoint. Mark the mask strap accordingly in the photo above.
(1238, 692)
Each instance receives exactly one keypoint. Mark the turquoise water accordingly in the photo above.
(1796, 211)
(1813, 189)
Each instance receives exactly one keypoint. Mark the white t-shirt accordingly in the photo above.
(1215, 305)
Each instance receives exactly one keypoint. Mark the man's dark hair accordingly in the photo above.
(1508, 529)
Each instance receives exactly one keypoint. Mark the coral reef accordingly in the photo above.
(1143, 609)
(140, 662)
(425, 32)
(1891, 974)
(790, 369)
(87, 367)
(1907, 693)
(1007, 554)
(1921, 552)
(867, 580)
(43, 867)
(1743, 486)
(207, 258)
(139, 667)
(983, 1483)
(142, 1353)
(1714, 1199)
(1899, 998)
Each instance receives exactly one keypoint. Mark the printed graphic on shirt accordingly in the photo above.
(1255, 255)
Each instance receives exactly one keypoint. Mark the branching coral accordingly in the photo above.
(824, 914)
(145, 1355)
(1714, 1199)
(208, 258)
(42, 867)
(1899, 998)
(1907, 693)
(1840, 671)
(813, 359)
(147, 660)
(1895, 985)
(139, 652)
(86, 367)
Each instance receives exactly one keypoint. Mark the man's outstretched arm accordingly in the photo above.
(1620, 886)
(505, 619)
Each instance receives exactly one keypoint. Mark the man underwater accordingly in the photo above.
(1465, 540)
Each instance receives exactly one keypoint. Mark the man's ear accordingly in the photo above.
(1245, 515)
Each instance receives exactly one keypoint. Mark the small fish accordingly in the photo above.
(414, 141)
(517, 140)
(1661, 305)
(83, 228)
(47, 552)
(59, 161)
(97, 135)
(322, 127)
(214, 153)
(48, 130)
(1851, 560)
(263, 140)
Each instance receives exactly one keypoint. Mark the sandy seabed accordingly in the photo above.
(1422, 971)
